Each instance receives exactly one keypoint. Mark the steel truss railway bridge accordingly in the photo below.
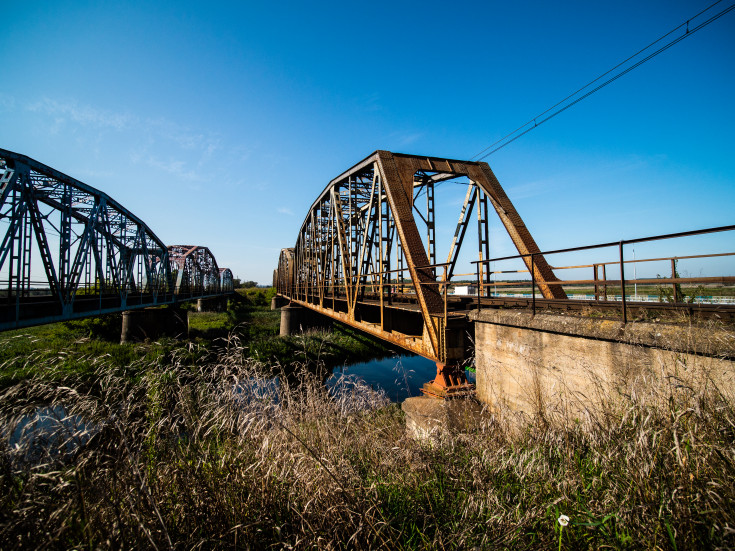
(366, 256)
(70, 251)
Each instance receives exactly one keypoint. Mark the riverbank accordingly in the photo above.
(220, 457)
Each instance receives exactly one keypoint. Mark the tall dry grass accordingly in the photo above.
(226, 456)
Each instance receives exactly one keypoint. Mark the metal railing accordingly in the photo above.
(600, 267)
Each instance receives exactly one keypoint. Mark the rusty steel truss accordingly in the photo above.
(70, 251)
(360, 257)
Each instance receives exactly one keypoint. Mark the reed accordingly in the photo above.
(223, 454)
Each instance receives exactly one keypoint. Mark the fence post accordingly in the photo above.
(479, 304)
(622, 282)
(673, 276)
(533, 286)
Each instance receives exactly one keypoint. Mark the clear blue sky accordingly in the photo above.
(219, 123)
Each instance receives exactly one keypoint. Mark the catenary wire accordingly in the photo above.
(504, 141)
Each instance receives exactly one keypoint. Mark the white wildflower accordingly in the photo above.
(563, 520)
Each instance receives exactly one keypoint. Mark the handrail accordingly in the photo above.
(613, 243)
(674, 280)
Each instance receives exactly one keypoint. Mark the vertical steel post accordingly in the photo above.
(594, 277)
(533, 285)
(381, 259)
(673, 276)
(479, 305)
(482, 240)
(430, 222)
(622, 282)
(446, 297)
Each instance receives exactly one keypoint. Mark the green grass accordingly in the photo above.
(71, 347)
(55, 350)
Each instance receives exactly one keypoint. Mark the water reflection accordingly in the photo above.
(50, 433)
(400, 377)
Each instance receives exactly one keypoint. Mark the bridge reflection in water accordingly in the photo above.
(70, 251)
(366, 256)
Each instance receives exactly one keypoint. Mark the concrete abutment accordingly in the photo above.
(527, 363)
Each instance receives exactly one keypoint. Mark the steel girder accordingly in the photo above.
(69, 250)
(360, 236)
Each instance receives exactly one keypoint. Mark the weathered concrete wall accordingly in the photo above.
(428, 417)
(527, 362)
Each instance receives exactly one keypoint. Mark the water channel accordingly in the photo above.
(400, 377)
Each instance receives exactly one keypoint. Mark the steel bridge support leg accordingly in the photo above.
(450, 382)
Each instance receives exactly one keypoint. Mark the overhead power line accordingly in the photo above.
(567, 102)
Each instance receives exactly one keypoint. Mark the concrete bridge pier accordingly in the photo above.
(429, 418)
(297, 319)
(213, 304)
(291, 315)
(278, 302)
(153, 323)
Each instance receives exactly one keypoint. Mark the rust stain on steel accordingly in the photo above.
(397, 188)
(416, 344)
(363, 221)
(485, 178)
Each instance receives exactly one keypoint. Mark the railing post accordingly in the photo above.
(479, 304)
(673, 276)
(446, 295)
(597, 287)
(533, 286)
(622, 282)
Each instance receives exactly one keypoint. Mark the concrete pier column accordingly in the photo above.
(430, 418)
(278, 302)
(296, 319)
(291, 319)
(153, 323)
(129, 326)
(216, 304)
(176, 322)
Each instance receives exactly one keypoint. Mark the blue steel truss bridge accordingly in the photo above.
(70, 251)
